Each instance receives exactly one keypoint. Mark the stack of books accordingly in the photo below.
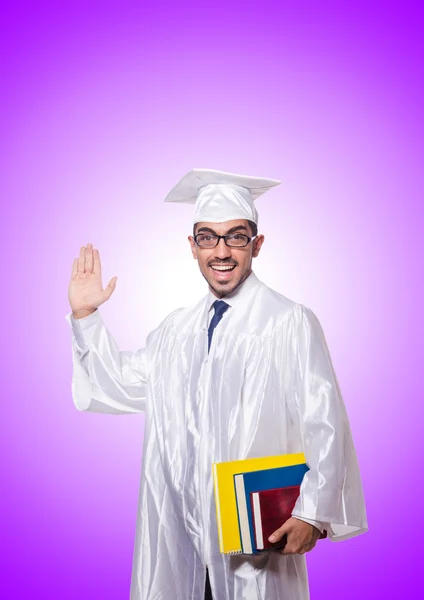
(254, 497)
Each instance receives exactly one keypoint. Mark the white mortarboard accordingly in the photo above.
(219, 196)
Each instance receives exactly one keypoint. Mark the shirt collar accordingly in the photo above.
(238, 293)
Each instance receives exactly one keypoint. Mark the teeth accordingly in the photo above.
(223, 267)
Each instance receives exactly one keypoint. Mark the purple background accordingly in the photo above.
(104, 108)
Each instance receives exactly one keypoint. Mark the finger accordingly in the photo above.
(89, 259)
(288, 549)
(97, 267)
(74, 269)
(278, 534)
(81, 261)
(110, 287)
(293, 547)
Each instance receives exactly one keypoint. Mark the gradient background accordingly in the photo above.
(104, 106)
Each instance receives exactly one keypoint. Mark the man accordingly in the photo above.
(245, 372)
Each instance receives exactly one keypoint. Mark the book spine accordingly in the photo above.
(217, 507)
(258, 522)
(243, 520)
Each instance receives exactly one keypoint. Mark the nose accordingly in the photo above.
(222, 250)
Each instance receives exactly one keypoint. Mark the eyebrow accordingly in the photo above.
(229, 232)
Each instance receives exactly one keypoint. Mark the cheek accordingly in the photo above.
(203, 260)
(243, 259)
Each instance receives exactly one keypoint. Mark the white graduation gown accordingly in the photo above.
(267, 387)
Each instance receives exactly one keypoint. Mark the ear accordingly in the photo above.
(193, 246)
(257, 244)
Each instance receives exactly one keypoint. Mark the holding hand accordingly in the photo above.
(86, 291)
(301, 536)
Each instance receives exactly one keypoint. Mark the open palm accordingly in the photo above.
(86, 291)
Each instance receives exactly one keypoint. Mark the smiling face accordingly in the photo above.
(225, 268)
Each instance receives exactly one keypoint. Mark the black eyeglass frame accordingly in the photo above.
(224, 237)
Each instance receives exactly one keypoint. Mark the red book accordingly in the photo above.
(272, 508)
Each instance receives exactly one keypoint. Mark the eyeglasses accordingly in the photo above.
(234, 240)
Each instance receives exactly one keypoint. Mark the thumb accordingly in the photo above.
(110, 287)
(279, 533)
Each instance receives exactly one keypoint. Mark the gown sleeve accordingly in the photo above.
(331, 491)
(105, 379)
(320, 526)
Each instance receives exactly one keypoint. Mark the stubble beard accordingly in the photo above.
(221, 293)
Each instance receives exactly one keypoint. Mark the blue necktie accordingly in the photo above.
(220, 307)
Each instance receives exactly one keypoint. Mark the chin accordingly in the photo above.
(223, 288)
(223, 291)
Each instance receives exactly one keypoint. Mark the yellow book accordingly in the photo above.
(225, 495)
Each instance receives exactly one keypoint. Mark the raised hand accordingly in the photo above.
(86, 291)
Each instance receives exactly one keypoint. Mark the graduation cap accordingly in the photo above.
(219, 196)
